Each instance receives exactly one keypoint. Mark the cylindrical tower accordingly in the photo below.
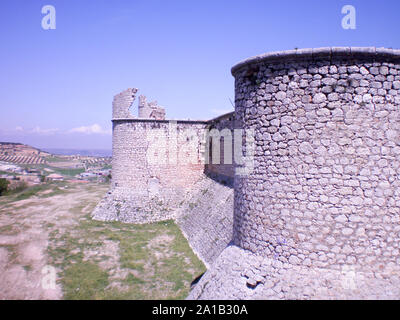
(325, 189)
(155, 162)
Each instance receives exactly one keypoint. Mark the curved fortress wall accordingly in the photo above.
(149, 156)
(157, 161)
(325, 190)
(158, 170)
(154, 162)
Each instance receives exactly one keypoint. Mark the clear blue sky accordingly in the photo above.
(56, 86)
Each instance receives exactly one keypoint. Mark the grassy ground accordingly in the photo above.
(42, 191)
(122, 261)
(55, 159)
(68, 171)
(94, 260)
(53, 165)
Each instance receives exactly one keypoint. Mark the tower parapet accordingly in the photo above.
(154, 162)
(319, 216)
(150, 110)
(327, 132)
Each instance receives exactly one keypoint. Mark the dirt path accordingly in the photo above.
(25, 226)
(50, 248)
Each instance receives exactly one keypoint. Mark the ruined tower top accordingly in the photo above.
(150, 110)
(123, 101)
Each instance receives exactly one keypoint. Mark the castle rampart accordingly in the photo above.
(318, 213)
(155, 161)
(319, 216)
(221, 143)
(325, 188)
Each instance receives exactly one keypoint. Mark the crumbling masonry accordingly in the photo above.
(319, 216)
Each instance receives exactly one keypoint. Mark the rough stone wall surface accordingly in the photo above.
(122, 103)
(150, 110)
(150, 149)
(325, 188)
(206, 219)
(158, 113)
(158, 173)
(222, 168)
(238, 274)
(154, 163)
(319, 217)
(323, 198)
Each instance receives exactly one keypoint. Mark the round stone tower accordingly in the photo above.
(154, 163)
(325, 189)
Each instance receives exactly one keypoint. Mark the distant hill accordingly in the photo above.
(13, 148)
(21, 153)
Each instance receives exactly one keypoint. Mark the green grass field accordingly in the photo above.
(114, 260)
(94, 259)
(162, 271)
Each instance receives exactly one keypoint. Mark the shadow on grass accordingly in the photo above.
(149, 268)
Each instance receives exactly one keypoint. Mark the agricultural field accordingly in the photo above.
(25, 165)
(17, 153)
(23, 159)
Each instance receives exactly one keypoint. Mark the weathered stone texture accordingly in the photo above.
(122, 103)
(154, 163)
(239, 274)
(150, 110)
(319, 216)
(206, 219)
(333, 194)
(220, 138)
(324, 194)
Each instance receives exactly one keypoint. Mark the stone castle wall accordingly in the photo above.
(206, 218)
(156, 161)
(325, 191)
(221, 134)
(149, 156)
(150, 110)
(122, 103)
